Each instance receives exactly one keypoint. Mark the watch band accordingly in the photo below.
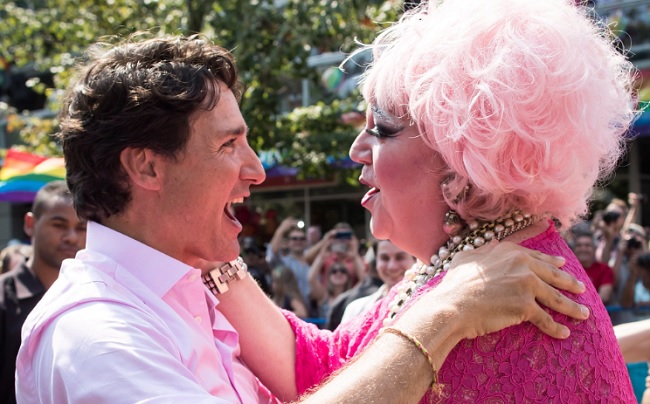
(217, 279)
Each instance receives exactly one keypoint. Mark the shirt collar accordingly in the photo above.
(158, 271)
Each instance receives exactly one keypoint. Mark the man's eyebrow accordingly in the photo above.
(58, 218)
(241, 130)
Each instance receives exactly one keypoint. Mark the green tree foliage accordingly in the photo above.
(271, 40)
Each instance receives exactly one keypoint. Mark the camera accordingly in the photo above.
(610, 217)
(634, 243)
(343, 235)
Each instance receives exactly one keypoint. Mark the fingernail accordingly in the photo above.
(581, 284)
(565, 333)
(585, 311)
(560, 258)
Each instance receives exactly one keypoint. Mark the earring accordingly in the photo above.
(462, 194)
(452, 195)
(453, 224)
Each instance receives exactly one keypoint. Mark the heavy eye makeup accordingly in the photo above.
(382, 125)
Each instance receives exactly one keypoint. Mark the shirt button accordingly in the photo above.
(192, 277)
(198, 319)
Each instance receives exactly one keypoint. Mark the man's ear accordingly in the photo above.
(28, 224)
(143, 167)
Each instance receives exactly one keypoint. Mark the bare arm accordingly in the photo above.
(359, 265)
(634, 340)
(318, 292)
(392, 370)
(604, 250)
(633, 201)
(271, 358)
(312, 252)
(627, 296)
(276, 240)
(496, 287)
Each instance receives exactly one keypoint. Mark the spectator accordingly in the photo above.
(342, 246)
(632, 244)
(295, 259)
(337, 281)
(637, 288)
(286, 294)
(611, 223)
(369, 285)
(608, 226)
(391, 263)
(56, 233)
(601, 275)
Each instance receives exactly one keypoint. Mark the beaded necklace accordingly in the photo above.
(478, 235)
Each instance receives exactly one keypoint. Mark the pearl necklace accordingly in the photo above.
(479, 234)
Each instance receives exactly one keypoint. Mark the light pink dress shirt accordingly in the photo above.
(125, 323)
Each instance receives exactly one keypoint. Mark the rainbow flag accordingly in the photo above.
(23, 174)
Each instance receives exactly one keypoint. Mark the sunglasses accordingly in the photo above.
(338, 270)
(297, 238)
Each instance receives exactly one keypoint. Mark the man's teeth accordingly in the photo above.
(237, 200)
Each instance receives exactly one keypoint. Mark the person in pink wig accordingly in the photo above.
(486, 120)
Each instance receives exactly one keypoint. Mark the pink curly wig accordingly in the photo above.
(527, 101)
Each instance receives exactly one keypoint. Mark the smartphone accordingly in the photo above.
(343, 235)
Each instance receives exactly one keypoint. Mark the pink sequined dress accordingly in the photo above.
(516, 365)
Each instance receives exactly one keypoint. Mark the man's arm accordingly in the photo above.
(104, 352)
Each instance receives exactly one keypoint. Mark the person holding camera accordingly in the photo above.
(637, 287)
(295, 260)
(340, 245)
(612, 223)
(337, 279)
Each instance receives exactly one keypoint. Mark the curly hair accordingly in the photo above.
(139, 93)
(526, 101)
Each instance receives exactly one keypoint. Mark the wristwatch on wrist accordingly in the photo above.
(217, 279)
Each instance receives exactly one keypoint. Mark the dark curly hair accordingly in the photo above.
(139, 93)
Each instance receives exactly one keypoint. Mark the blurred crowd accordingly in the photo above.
(319, 275)
(613, 249)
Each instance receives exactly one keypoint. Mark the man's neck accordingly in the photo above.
(43, 272)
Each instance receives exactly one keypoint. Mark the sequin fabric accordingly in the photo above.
(517, 365)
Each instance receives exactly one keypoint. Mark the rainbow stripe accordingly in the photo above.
(23, 174)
